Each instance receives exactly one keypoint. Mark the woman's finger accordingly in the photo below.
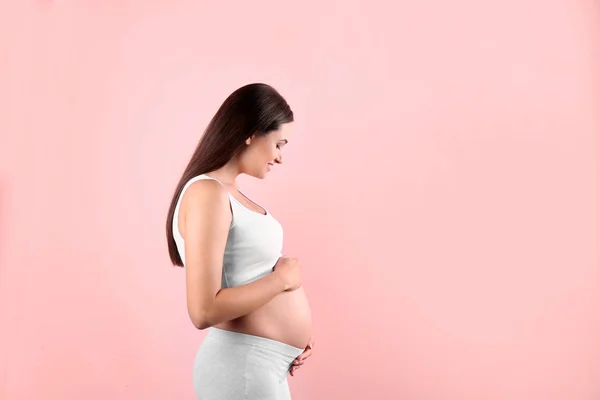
(307, 353)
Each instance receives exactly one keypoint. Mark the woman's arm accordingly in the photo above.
(207, 216)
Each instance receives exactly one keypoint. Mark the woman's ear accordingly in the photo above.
(250, 139)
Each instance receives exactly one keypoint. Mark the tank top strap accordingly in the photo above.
(204, 176)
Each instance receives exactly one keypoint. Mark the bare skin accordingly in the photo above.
(275, 306)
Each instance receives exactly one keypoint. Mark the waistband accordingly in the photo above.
(253, 340)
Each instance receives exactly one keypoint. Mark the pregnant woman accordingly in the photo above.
(239, 286)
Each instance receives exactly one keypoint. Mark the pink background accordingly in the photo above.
(441, 189)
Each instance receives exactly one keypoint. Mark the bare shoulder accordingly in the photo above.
(207, 202)
(205, 191)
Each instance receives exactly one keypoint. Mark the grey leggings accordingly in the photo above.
(237, 366)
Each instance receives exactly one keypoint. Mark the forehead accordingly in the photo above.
(283, 132)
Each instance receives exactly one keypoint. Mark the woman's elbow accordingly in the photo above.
(201, 325)
(201, 321)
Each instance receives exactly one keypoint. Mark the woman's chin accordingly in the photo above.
(264, 174)
(259, 175)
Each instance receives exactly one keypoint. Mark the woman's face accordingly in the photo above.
(263, 152)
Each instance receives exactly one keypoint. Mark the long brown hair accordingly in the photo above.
(256, 108)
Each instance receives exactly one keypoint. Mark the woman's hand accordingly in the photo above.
(288, 269)
(299, 361)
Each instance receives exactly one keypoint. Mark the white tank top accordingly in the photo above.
(254, 242)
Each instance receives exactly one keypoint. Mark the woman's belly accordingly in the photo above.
(287, 318)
